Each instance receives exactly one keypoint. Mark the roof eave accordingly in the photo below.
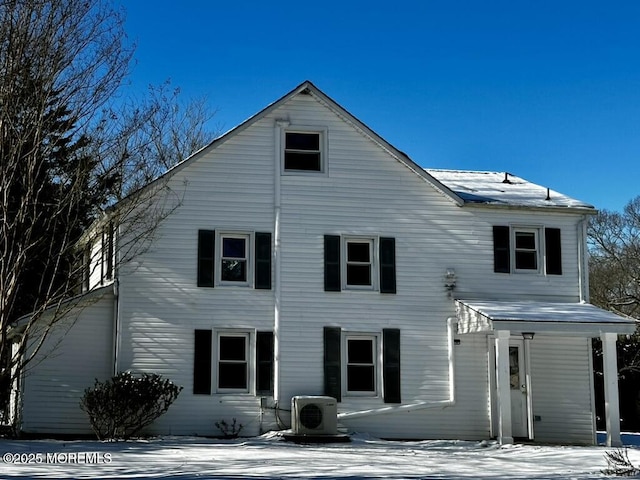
(586, 209)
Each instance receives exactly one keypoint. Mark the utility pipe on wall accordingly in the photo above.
(280, 125)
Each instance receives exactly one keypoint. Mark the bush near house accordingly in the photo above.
(123, 405)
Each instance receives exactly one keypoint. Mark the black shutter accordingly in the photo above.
(391, 365)
(501, 250)
(263, 261)
(332, 263)
(264, 363)
(332, 368)
(202, 362)
(387, 265)
(206, 257)
(553, 251)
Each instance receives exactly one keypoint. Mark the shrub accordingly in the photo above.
(123, 405)
(618, 464)
(229, 430)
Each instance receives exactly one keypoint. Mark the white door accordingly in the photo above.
(518, 381)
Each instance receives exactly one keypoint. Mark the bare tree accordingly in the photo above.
(614, 241)
(614, 279)
(69, 148)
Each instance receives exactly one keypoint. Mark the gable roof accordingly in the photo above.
(308, 88)
(504, 189)
(494, 189)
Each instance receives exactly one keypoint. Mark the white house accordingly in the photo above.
(308, 256)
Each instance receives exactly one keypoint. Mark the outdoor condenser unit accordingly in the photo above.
(314, 415)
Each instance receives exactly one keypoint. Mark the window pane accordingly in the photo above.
(232, 375)
(234, 270)
(358, 252)
(302, 141)
(361, 378)
(526, 240)
(526, 260)
(359, 351)
(233, 247)
(302, 161)
(358, 275)
(514, 368)
(232, 348)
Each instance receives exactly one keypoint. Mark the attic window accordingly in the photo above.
(302, 151)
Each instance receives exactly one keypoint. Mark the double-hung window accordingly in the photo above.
(527, 249)
(234, 258)
(304, 150)
(233, 362)
(361, 364)
(359, 264)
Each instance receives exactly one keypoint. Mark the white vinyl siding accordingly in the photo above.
(562, 398)
(77, 351)
(363, 192)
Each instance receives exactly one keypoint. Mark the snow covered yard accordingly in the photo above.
(269, 456)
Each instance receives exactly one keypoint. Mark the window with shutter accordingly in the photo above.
(520, 249)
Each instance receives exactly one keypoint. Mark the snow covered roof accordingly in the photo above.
(502, 188)
(534, 316)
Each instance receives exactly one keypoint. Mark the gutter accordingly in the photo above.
(409, 407)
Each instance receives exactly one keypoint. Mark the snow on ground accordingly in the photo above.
(269, 457)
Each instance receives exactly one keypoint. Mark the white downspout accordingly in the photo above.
(280, 125)
(451, 328)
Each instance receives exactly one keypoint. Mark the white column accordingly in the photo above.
(528, 384)
(503, 384)
(611, 398)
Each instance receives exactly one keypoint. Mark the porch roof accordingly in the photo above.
(582, 319)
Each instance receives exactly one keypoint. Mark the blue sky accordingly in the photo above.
(546, 90)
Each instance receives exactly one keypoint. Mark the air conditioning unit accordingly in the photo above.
(314, 415)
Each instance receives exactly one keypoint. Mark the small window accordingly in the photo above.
(359, 263)
(359, 266)
(234, 258)
(233, 362)
(526, 249)
(302, 151)
(361, 371)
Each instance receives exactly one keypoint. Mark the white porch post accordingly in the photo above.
(611, 398)
(503, 381)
